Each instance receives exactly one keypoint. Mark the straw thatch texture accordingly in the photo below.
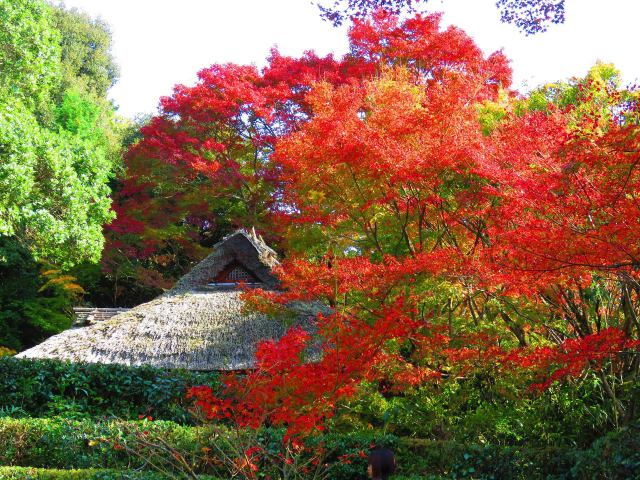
(246, 248)
(191, 326)
(199, 330)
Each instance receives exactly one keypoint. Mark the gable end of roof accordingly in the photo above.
(243, 247)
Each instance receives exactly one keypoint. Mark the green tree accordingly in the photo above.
(86, 61)
(594, 99)
(54, 194)
(29, 51)
(60, 143)
(87, 72)
(35, 302)
(58, 134)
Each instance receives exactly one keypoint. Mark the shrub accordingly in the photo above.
(49, 388)
(70, 444)
(429, 459)
(26, 473)
(32, 307)
(616, 455)
(481, 410)
(6, 352)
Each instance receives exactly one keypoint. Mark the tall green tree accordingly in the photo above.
(85, 53)
(56, 139)
(59, 146)
(29, 52)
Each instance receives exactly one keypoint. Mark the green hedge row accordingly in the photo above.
(447, 459)
(28, 473)
(45, 388)
(68, 444)
(81, 444)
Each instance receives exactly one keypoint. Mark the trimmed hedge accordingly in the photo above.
(46, 388)
(27, 473)
(67, 444)
(431, 459)
(81, 444)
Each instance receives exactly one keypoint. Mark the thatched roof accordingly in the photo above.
(194, 325)
(245, 248)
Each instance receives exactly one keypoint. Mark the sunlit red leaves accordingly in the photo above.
(573, 356)
(382, 157)
(439, 57)
(377, 153)
(567, 206)
(298, 382)
(373, 151)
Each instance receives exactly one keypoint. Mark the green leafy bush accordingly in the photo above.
(68, 444)
(72, 444)
(25, 473)
(430, 459)
(44, 388)
(616, 455)
(484, 410)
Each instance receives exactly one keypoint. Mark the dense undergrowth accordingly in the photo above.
(69, 444)
(49, 388)
(29, 473)
(471, 429)
(479, 409)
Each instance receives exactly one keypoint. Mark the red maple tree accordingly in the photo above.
(441, 246)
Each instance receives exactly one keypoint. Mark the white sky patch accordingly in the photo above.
(161, 43)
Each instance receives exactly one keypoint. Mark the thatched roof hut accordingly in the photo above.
(200, 324)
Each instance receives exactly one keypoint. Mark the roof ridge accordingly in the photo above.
(256, 240)
(247, 247)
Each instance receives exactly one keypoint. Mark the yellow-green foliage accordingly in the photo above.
(6, 352)
(592, 100)
(490, 114)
